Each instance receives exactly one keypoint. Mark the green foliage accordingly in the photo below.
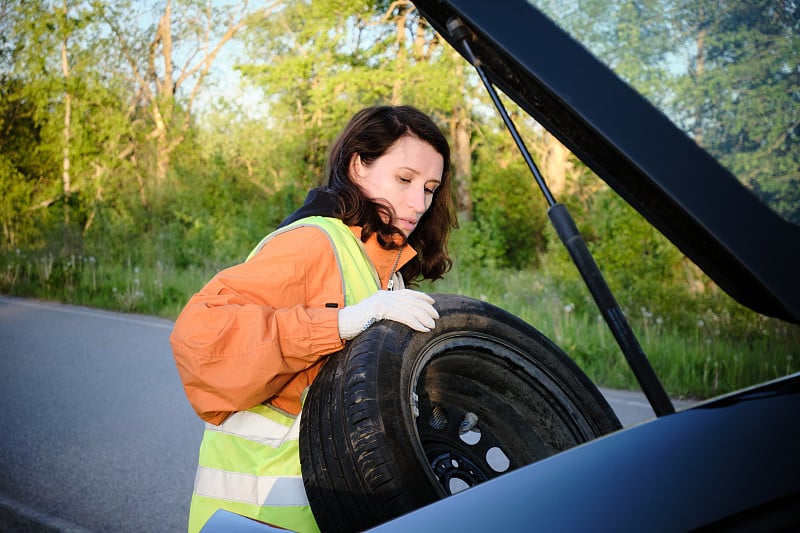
(509, 215)
(215, 216)
(15, 192)
(634, 256)
(310, 73)
(742, 73)
(726, 73)
(22, 166)
(320, 62)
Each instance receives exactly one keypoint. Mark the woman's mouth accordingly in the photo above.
(407, 225)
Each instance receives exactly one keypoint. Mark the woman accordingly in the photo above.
(249, 344)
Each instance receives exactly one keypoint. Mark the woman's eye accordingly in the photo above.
(428, 190)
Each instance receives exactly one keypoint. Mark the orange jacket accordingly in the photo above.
(259, 331)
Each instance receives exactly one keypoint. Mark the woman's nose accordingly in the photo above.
(417, 200)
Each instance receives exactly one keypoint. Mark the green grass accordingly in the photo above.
(153, 289)
(699, 346)
(718, 348)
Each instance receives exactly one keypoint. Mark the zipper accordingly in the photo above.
(390, 283)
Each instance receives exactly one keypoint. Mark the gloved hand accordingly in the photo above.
(412, 308)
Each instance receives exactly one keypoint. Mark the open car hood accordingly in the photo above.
(699, 205)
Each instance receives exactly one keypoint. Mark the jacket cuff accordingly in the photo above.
(326, 324)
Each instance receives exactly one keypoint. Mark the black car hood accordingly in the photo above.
(748, 250)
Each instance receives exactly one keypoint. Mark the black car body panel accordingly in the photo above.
(684, 192)
(682, 472)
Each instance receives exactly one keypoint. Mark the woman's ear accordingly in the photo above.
(356, 167)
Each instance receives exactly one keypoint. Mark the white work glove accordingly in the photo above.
(412, 308)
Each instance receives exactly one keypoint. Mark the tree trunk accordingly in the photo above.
(164, 94)
(556, 165)
(462, 161)
(65, 159)
(401, 60)
(169, 127)
(699, 71)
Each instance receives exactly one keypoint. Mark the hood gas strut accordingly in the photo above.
(581, 256)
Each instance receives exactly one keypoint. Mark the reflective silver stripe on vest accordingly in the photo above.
(247, 488)
(254, 427)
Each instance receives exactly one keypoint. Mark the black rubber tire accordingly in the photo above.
(367, 456)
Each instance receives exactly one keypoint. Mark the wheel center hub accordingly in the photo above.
(455, 472)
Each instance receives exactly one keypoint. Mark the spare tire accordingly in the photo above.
(399, 418)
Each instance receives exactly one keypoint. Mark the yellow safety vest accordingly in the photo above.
(250, 464)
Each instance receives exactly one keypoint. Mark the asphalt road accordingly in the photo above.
(96, 432)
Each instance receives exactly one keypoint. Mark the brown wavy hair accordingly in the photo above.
(370, 133)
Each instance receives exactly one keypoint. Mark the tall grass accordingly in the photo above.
(152, 289)
(721, 348)
(699, 348)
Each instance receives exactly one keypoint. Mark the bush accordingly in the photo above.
(509, 225)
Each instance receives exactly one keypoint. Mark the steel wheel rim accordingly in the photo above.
(462, 376)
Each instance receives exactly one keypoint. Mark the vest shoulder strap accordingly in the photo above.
(359, 278)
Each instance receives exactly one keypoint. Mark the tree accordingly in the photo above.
(740, 93)
(317, 64)
(727, 73)
(168, 63)
(39, 81)
(110, 97)
(18, 141)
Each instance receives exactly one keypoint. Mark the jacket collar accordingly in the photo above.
(318, 202)
(386, 262)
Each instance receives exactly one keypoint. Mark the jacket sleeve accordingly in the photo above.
(256, 325)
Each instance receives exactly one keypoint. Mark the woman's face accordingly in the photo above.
(404, 178)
